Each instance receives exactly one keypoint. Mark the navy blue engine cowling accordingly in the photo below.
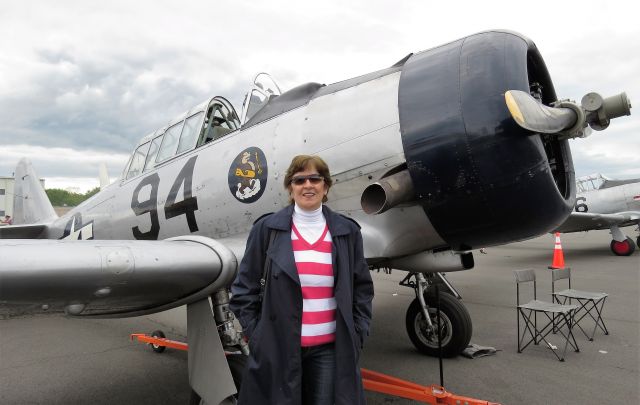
(480, 178)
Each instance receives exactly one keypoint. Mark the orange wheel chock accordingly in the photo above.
(372, 381)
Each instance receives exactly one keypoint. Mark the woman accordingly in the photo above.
(306, 333)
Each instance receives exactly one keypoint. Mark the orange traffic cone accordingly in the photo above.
(558, 256)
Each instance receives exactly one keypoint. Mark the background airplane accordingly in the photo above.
(603, 203)
(454, 148)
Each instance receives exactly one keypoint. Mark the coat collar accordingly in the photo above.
(281, 221)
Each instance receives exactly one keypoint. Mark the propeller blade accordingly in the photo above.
(530, 114)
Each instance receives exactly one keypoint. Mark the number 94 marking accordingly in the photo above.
(186, 207)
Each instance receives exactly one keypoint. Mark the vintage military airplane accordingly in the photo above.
(603, 203)
(455, 148)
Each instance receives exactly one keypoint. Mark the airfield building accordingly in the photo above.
(6, 195)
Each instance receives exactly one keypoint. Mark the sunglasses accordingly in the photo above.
(313, 179)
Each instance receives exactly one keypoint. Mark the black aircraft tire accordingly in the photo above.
(455, 326)
(624, 248)
(237, 364)
(156, 348)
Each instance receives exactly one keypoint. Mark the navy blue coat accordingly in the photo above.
(274, 370)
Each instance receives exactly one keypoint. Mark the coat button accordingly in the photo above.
(275, 276)
(272, 317)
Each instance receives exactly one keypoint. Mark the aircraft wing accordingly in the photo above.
(31, 231)
(106, 278)
(586, 221)
(110, 278)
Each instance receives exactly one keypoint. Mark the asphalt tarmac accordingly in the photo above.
(57, 360)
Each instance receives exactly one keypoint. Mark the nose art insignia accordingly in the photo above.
(248, 175)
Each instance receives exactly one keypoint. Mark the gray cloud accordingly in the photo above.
(92, 104)
(96, 78)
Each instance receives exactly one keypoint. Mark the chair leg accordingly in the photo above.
(535, 328)
(562, 301)
(586, 306)
(537, 336)
(601, 323)
(528, 323)
(518, 322)
(569, 321)
(530, 330)
(566, 342)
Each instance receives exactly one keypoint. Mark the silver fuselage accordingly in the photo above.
(358, 146)
(610, 200)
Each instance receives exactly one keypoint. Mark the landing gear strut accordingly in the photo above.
(232, 341)
(421, 319)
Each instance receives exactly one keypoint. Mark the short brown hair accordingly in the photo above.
(300, 163)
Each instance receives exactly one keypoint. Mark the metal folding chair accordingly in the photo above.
(590, 303)
(529, 314)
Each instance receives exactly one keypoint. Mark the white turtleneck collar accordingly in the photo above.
(310, 224)
(305, 216)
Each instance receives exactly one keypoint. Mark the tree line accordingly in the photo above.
(63, 198)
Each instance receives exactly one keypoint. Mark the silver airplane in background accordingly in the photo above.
(603, 203)
(448, 150)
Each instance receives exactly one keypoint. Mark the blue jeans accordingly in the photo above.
(318, 374)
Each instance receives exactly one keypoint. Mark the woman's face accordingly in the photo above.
(308, 192)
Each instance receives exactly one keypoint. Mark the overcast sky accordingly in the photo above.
(82, 81)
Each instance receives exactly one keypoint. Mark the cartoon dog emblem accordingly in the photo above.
(248, 175)
(249, 185)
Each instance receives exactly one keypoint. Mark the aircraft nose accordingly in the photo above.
(480, 178)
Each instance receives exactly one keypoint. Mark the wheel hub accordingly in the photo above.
(428, 335)
(621, 247)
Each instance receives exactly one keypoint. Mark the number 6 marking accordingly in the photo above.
(581, 207)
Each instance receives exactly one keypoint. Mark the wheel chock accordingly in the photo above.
(371, 380)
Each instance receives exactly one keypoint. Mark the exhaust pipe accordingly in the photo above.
(387, 193)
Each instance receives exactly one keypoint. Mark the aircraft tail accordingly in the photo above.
(30, 202)
(103, 176)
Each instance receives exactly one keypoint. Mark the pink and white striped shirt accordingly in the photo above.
(315, 269)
